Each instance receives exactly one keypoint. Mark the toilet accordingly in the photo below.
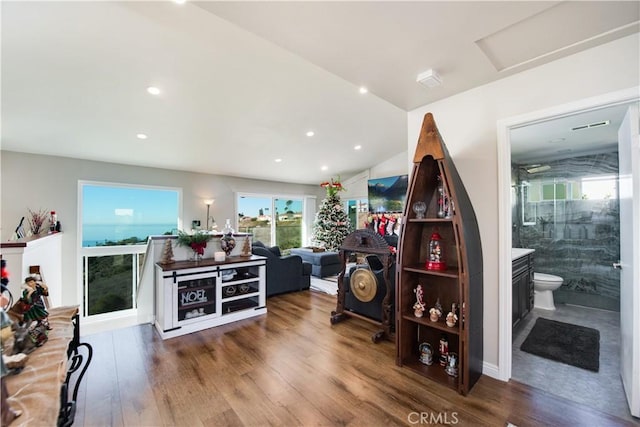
(543, 286)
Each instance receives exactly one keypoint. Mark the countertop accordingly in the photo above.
(520, 252)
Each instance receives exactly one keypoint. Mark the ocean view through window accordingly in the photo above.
(116, 221)
(126, 215)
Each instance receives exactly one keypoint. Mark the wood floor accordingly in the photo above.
(291, 367)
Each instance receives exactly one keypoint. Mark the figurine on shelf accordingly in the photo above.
(444, 350)
(419, 307)
(426, 353)
(436, 311)
(452, 316)
(452, 365)
(246, 248)
(436, 256)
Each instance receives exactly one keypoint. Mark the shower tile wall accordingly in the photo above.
(575, 237)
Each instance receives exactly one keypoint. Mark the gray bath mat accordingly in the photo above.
(563, 342)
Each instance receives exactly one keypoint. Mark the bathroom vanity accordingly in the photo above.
(522, 282)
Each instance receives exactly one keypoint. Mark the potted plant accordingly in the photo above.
(196, 241)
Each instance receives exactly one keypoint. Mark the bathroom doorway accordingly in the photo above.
(555, 194)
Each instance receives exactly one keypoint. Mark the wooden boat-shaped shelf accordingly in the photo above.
(447, 211)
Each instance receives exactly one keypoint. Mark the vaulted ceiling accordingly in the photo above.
(241, 83)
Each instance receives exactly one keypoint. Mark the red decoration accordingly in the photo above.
(332, 187)
(436, 261)
(199, 247)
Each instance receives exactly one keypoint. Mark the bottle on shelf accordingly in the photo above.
(227, 228)
(53, 222)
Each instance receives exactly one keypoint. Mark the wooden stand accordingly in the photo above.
(366, 241)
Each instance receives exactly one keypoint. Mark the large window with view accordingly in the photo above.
(116, 222)
(272, 220)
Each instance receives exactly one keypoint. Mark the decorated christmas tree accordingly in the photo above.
(331, 225)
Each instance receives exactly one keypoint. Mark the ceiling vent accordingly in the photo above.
(592, 125)
(429, 78)
(536, 168)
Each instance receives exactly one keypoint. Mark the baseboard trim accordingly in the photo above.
(491, 370)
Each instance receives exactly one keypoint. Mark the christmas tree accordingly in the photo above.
(331, 225)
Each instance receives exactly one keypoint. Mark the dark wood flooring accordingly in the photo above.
(291, 367)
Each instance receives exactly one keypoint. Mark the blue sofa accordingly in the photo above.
(284, 273)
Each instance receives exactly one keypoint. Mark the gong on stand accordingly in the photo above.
(363, 283)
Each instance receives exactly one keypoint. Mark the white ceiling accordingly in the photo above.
(242, 82)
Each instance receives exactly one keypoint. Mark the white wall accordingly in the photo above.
(31, 181)
(467, 123)
(393, 166)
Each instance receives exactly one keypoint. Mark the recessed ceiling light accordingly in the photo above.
(277, 160)
(310, 133)
(180, 1)
(357, 147)
(141, 136)
(363, 90)
(153, 90)
(324, 168)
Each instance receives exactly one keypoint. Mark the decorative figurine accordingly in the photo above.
(426, 353)
(452, 316)
(436, 259)
(444, 350)
(32, 303)
(167, 253)
(452, 365)
(419, 307)
(436, 312)
(246, 247)
(7, 413)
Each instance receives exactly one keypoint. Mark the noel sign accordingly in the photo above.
(193, 297)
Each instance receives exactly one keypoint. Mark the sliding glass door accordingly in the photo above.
(272, 220)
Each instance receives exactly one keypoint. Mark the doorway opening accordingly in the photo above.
(538, 193)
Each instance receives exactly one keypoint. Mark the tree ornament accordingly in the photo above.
(167, 252)
(246, 247)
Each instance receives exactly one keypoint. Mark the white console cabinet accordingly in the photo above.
(191, 296)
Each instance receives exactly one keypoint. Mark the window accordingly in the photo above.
(272, 220)
(116, 221)
(599, 187)
(358, 211)
(123, 215)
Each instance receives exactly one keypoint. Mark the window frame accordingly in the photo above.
(93, 251)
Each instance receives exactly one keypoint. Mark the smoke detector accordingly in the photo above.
(429, 78)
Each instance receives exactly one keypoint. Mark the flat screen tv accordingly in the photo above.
(388, 194)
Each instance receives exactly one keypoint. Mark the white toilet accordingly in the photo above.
(543, 286)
